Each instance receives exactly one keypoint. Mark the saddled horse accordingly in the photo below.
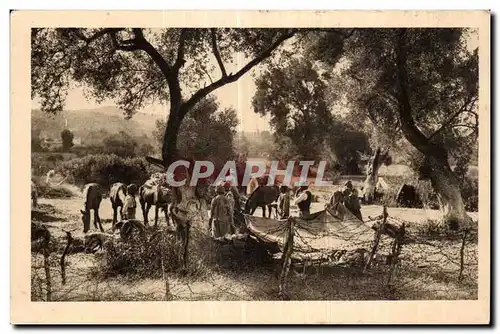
(92, 193)
(156, 195)
(117, 197)
(262, 196)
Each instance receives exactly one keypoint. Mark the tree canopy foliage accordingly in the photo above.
(437, 105)
(135, 66)
(206, 134)
(306, 125)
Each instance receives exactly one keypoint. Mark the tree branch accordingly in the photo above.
(469, 101)
(139, 42)
(179, 62)
(126, 45)
(411, 132)
(208, 75)
(335, 31)
(78, 33)
(216, 52)
(200, 94)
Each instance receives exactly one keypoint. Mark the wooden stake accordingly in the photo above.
(46, 265)
(464, 239)
(287, 259)
(378, 234)
(167, 285)
(396, 251)
(69, 239)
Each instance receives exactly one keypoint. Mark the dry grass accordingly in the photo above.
(427, 271)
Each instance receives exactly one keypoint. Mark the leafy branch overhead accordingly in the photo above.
(137, 66)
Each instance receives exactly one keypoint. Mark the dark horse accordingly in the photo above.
(155, 195)
(262, 196)
(92, 193)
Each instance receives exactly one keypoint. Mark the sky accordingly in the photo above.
(237, 95)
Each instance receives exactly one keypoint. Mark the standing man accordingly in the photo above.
(130, 205)
(355, 206)
(229, 195)
(284, 203)
(220, 214)
(304, 200)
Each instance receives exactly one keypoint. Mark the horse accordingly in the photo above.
(117, 198)
(262, 196)
(155, 195)
(92, 193)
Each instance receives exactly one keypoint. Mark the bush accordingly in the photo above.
(40, 165)
(159, 250)
(106, 169)
(141, 257)
(436, 230)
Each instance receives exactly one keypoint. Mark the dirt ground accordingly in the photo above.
(428, 271)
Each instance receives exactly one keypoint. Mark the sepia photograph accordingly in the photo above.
(248, 159)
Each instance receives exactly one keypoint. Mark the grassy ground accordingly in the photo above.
(428, 270)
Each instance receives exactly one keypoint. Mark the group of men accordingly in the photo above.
(340, 201)
(227, 201)
(303, 200)
(347, 200)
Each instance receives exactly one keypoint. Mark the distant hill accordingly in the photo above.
(86, 123)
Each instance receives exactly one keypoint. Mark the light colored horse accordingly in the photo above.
(117, 197)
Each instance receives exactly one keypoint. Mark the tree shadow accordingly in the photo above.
(45, 213)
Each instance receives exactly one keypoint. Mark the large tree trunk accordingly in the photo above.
(371, 180)
(436, 166)
(188, 209)
(447, 187)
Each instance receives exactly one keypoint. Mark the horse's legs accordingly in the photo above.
(115, 214)
(121, 212)
(165, 210)
(156, 214)
(263, 211)
(97, 219)
(145, 212)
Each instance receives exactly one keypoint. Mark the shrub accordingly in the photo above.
(436, 230)
(106, 169)
(40, 165)
(160, 250)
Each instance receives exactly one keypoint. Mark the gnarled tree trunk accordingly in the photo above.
(436, 166)
(371, 180)
(447, 187)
